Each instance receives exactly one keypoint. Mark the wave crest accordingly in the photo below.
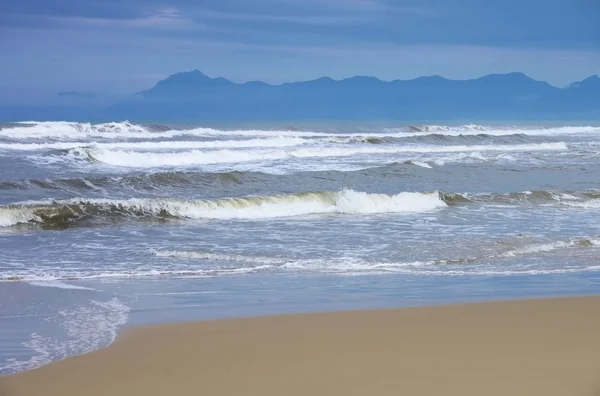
(127, 130)
(140, 159)
(62, 213)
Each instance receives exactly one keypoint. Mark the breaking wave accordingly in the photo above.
(422, 164)
(62, 213)
(75, 130)
(159, 145)
(127, 130)
(583, 199)
(136, 159)
(67, 212)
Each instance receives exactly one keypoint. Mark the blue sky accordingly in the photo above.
(120, 46)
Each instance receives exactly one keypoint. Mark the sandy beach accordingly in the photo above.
(528, 347)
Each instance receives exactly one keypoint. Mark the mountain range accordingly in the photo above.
(193, 96)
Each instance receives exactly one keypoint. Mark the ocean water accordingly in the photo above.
(112, 225)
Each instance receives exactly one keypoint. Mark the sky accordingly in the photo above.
(122, 46)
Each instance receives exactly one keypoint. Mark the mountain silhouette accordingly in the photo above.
(194, 96)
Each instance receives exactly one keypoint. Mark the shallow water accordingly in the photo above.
(105, 226)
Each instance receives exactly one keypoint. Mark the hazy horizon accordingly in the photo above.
(115, 48)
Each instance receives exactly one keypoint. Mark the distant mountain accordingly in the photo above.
(193, 96)
(592, 82)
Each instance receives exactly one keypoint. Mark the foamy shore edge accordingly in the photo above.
(534, 347)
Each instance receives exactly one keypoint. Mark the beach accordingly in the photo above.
(521, 347)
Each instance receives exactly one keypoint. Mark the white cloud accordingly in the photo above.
(316, 19)
(360, 6)
(82, 59)
(160, 18)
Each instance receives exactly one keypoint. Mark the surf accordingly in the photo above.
(140, 159)
(65, 212)
(59, 130)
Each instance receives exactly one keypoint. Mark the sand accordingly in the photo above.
(529, 347)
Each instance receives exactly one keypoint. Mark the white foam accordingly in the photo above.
(465, 157)
(421, 164)
(462, 130)
(337, 265)
(135, 159)
(48, 278)
(198, 255)
(503, 272)
(591, 204)
(471, 130)
(87, 328)
(159, 145)
(13, 216)
(541, 248)
(353, 265)
(57, 284)
(229, 264)
(343, 202)
(74, 130)
(127, 130)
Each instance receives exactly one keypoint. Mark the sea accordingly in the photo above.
(112, 225)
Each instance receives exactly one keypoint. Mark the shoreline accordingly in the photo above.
(533, 347)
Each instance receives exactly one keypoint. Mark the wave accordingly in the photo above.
(48, 278)
(58, 130)
(161, 145)
(67, 212)
(127, 130)
(136, 159)
(360, 139)
(62, 213)
(57, 284)
(75, 130)
(550, 247)
(591, 204)
(585, 199)
(150, 182)
(474, 129)
(332, 266)
(182, 263)
(454, 266)
(419, 163)
(201, 255)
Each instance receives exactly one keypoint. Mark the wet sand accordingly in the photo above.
(527, 347)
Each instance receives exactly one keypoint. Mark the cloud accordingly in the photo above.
(361, 6)
(72, 44)
(347, 4)
(334, 19)
(163, 17)
(160, 18)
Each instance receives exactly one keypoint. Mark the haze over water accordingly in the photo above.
(108, 225)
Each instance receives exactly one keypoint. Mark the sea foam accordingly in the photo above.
(139, 159)
(125, 130)
(62, 212)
